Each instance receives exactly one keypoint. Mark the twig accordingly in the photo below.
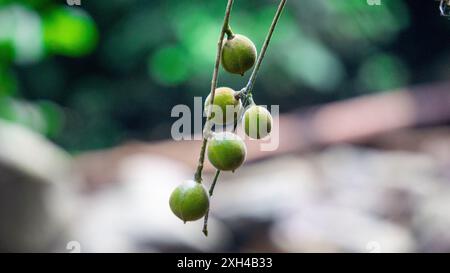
(211, 191)
(206, 131)
(246, 92)
(251, 82)
(213, 185)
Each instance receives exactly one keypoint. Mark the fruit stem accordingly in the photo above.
(245, 93)
(239, 94)
(252, 79)
(229, 32)
(211, 191)
(205, 224)
(213, 185)
(225, 27)
(250, 100)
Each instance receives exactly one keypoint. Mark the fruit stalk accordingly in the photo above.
(246, 94)
(229, 32)
(211, 191)
(213, 185)
(206, 132)
(251, 82)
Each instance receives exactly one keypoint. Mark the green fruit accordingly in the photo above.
(189, 201)
(226, 107)
(257, 122)
(238, 54)
(226, 151)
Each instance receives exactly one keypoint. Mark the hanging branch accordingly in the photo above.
(245, 93)
(207, 128)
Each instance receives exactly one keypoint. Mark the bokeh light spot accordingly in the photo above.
(69, 31)
(169, 65)
(383, 72)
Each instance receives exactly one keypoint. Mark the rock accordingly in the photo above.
(329, 228)
(431, 223)
(34, 204)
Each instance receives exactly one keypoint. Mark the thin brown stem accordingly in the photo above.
(205, 223)
(251, 81)
(213, 185)
(229, 32)
(211, 191)
(225, 28)
(247, 92)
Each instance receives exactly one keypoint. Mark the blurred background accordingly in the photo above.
(86, 157)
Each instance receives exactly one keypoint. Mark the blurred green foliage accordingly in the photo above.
(93, 76)
(69, 32)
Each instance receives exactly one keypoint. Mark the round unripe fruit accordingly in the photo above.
(257, 122)
(226, 151)
(238, 54)
(189, 201)
(226, 108)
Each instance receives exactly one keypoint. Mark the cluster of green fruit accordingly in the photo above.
(226, 151)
